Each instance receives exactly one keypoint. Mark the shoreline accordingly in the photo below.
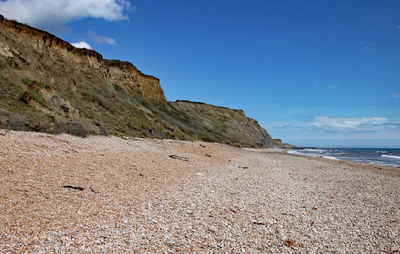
(63, 193)
(333, 157)
(324, 158)
(347, 161)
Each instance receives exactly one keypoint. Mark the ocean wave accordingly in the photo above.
(294, 152)
(338, 153)
(303, 154)
(313, 150)
(391, 156)
(330, 157)
(391, 159)
(318, 155)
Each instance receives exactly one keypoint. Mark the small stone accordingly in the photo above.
(289, 243)
(27, 98)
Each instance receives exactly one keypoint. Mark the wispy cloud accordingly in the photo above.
(326, 85)
(51, 13)
(396, 95)
(348, 124)
(337, 131)
(335, 124)
(368, 44)
(81, 44)
(327, 131)
(102, 39)
(398, 27)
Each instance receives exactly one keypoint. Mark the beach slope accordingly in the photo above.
(62, 193)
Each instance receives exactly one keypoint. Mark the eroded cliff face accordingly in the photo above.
(48, 85)
(26, 52)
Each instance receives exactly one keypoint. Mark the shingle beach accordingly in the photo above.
(65, 194)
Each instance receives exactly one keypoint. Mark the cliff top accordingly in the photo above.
(52, 40)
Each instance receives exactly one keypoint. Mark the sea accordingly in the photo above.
(378, 156)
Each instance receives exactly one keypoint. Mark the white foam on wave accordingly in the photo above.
(330, 157)
(303, 154)
(294, 152)
(312, 155)
(313, 150)
(391, 156)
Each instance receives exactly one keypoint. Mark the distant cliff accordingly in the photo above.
(223, 124)
(48, 85)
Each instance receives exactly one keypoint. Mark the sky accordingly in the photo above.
(313, 73)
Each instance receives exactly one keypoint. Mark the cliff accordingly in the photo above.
(222, 124)
(34, 54)
(48, 85)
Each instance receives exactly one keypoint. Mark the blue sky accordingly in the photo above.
(313, 73)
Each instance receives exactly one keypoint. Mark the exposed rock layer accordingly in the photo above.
(39, 55)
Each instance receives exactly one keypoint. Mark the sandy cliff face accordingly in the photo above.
(48, 85)
(31, 53)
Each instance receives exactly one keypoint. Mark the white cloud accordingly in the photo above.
(326, 131)
(81, 44)
(368, 44)
(53, 13)
(348, 124)
(102, 39)
(396, 95)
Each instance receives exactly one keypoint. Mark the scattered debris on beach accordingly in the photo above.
(73, 187)
(178, 157)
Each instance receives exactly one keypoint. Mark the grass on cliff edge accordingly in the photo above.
(110, 107)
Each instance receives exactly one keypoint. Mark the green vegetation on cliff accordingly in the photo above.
(109, 109)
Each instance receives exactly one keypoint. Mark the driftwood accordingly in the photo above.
(178, 157)
(73, 187)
